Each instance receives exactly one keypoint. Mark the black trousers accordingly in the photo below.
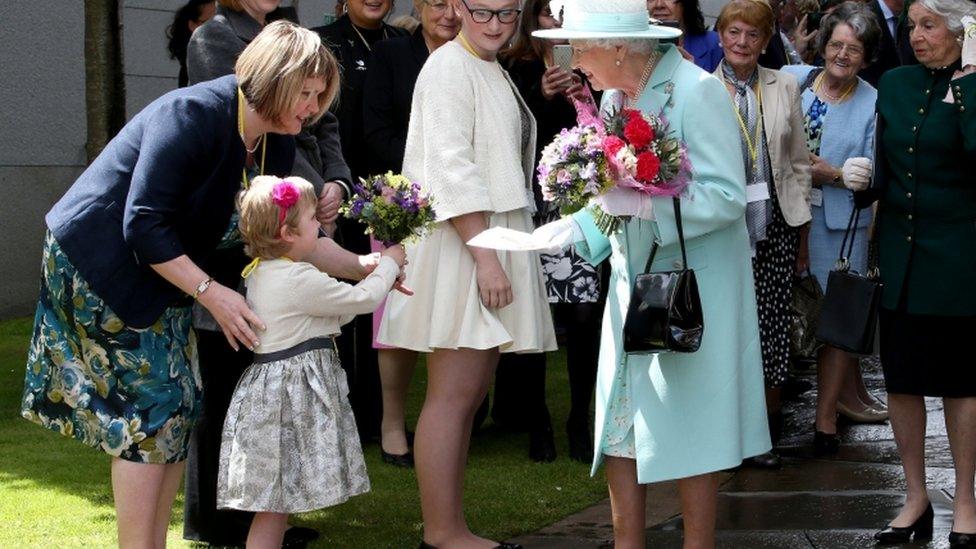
(220, 369)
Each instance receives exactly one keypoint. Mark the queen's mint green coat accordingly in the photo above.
(700, 412)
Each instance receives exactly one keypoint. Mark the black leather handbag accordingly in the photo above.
(849, 314)
(665, 313)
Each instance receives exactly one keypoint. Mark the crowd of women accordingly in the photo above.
(144, 345)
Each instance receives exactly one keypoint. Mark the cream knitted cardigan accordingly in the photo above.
(464, 141)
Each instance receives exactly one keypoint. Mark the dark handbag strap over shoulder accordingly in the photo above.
(681, 239)
(808, 81)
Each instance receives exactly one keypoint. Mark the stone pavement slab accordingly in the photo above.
(830, 503)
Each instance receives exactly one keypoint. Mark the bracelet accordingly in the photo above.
(202, 287)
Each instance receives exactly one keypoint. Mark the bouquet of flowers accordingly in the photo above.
(637, 159)
(392, 207)
(573, 168)
(644, 160)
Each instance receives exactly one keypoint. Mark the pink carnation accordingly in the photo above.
(611, 145)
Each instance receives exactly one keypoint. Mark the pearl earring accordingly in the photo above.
(617, 62)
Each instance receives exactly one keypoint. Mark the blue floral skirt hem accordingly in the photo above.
(133, 393)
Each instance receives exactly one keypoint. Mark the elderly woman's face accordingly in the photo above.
(598, 64)
(667, 10)
(742, 44)
(438, 20)
(305, 107)
(490, 35)
(372, 11)
(844, 53)
(932, 41)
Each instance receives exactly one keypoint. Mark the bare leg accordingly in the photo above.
(457, 383)
(832, 372)
(960, 418)
(172, 477)
(396, 370)
(267, 530)
(862, 391)
(908, 423)
(137, 488)
(627, 502)
(699, 496)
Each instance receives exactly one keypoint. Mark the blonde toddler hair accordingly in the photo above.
(259, 223)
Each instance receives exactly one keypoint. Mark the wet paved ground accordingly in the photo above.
(830, 503)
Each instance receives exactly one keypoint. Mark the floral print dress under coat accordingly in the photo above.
(133, 393)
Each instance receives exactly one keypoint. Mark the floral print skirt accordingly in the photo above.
(133, 393)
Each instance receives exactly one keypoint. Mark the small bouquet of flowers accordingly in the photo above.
(392, 207)
(573, 168)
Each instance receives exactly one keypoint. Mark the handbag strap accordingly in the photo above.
(848, 242)
(681, 238)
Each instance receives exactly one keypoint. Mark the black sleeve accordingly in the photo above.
(385, 138)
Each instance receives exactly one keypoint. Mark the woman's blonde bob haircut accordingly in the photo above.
(757, 13)
(272, 70)
(259, 225)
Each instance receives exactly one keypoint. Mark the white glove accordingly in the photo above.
(857, 173)
(968, 41)
(560, 234)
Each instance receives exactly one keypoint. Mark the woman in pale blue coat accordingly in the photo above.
(672, 416)
(839, 122)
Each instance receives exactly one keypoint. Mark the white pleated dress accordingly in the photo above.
(471, 145)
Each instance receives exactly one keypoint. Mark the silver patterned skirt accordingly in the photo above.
(290, 443)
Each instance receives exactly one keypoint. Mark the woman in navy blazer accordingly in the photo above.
(112, 361)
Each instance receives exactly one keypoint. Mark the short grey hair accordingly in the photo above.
(861, 20)
(637, 45)
(952, 11)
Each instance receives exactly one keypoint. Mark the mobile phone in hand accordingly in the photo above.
(562, 57)
(813, 21)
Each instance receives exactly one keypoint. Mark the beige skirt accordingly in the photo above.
(446, 310)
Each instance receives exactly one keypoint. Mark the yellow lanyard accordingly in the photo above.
(240, 129)
(752, 143)
(467, 45)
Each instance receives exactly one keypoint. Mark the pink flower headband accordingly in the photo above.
(285, 195)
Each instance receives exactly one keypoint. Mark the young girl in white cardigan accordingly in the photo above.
(289, 443)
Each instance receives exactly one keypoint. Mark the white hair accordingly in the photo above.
(952, 11)
(636, 45)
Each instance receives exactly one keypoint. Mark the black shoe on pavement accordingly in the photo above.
(958, 540)
(921, 528)
(825, 444)
(769, 460)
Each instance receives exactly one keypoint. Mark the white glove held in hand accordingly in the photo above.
(968, 41)
(857, 173)
(560, 234)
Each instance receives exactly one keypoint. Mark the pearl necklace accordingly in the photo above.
(822, 88)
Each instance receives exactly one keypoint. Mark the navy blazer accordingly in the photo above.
(165, 186)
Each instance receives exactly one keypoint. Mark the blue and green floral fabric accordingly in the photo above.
(134, 393)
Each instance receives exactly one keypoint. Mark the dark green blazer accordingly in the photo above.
(927, 216)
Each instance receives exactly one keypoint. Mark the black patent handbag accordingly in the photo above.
(665, 313)
(849, 314)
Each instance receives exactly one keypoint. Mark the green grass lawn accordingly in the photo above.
(55, 491)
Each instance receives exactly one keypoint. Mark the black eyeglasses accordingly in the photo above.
(481, 15)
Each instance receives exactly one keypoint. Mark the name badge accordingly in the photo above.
(757, 192)
(816, 197)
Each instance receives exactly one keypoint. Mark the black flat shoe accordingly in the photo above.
(825, 444)
(958, 540)
(921, 529)
(299, 536)
(769, 460)
(401, 460)
(580, 443)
